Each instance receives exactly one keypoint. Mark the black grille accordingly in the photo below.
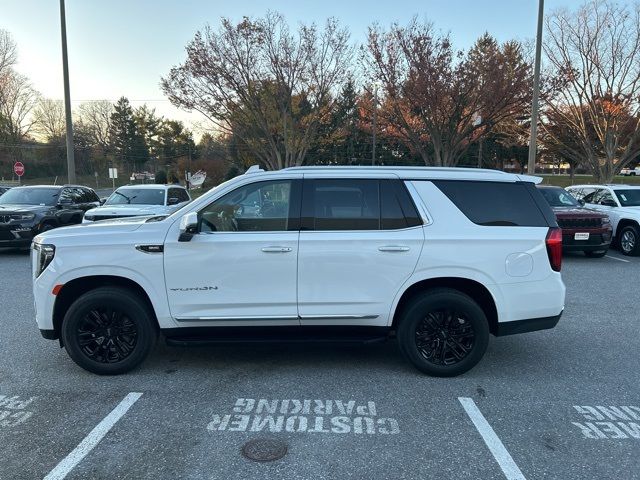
(5, 218)
(109, 217)
(6, 235)
(579, 222)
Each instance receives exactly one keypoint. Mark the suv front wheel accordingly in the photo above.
(108, 331)
(629, 240)
(443, 332)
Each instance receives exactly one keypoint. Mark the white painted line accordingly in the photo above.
(508, 466)
(619, 259)
(90, 441)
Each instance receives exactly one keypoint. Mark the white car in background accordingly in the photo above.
(140, 200)
(622, 204)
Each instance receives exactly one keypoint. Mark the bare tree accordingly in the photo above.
(263, 84)
(95, 118)
(49, 119)
(439, 99)
(17, 100)
(593, 100)
(8, 52)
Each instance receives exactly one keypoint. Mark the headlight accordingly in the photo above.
(606, 221)
(22, 216)
(44, 254)
(89, 217)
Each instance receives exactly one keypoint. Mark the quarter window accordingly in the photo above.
(258, 207)
(495, 203)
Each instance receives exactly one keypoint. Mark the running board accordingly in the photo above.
(251, 335)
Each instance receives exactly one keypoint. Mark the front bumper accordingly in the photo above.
(17, 235)
(527, 325)
(597, 241)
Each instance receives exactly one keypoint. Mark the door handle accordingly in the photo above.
(276, 249)
(394, 248)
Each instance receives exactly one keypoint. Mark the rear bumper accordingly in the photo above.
(527, 325)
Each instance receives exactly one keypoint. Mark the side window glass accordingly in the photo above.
(589, 195)
(392, 217)
(342, 204)
(258, 207)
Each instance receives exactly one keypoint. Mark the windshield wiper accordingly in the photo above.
(123, 195)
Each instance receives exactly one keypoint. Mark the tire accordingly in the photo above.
(45, 227)
(427, 321)
(595, 254)
(90, 339)
(629, 240)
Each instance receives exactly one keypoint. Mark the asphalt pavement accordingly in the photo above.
(563, 403)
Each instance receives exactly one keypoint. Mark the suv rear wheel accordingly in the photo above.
(443, 332)
(108, 331)
(630, 240)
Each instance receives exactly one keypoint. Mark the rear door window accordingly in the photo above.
(341, 204)
(496, 203)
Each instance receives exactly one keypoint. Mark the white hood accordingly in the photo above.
(128, 210)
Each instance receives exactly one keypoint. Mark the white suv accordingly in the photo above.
(622, 204)
(140, 200)
(437, 257)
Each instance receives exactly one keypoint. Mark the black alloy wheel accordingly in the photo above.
(445, 337)
(106, 335)
(109, 330)
(443, 332)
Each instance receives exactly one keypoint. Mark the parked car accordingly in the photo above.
(622, 204)
(28, 211)
(3, 189)
(630, 172)
(437, 257)
(583, 229)
(140, 200)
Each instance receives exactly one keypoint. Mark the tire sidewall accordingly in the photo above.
(417, 310)
(129, 304)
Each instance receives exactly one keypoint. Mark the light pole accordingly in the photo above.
(531, 165)
(71, 163)
(375, 122)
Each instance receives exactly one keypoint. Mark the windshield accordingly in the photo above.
(30, 196)
(558, 197)
(137, 196)
(629, 198)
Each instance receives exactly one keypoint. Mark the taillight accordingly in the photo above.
(554, 248)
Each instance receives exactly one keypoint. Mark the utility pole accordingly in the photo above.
(71, 163)
(531, 165)
(375, 121)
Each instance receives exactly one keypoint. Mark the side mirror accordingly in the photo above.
(608, 203)
(103, 200)
(581, 202)
(64, 202)
(188, 226)
(173, 201)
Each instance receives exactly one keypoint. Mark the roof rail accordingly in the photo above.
(254, 169)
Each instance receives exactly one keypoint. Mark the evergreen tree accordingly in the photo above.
(126, 142)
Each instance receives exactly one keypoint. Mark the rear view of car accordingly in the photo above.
(583, 230)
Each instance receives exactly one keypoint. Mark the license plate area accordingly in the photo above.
(581, 236)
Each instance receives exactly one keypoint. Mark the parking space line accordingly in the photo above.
(497, 449)
(619, 259)
(90, 441)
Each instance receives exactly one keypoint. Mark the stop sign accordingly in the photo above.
(18, 168)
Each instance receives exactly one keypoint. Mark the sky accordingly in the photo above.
(124, 47)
